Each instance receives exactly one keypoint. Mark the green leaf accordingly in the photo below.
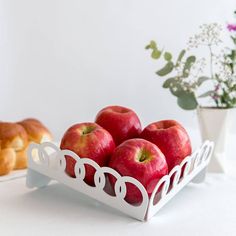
(202, 79)
(188, 64)
(167, 56)
(151, 45)
(234, 39)
(217, 77)
(169, 82)
(177, 90)
(156, 54)
(232, 55)
(180, 57)
(206, 94)
(187, 101)
(166, 69)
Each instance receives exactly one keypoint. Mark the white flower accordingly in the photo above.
(209, 35)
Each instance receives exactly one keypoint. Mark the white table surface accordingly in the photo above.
(199, 209)
(205, 209)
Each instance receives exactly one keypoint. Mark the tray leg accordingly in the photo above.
(201, 176)
(35, 179)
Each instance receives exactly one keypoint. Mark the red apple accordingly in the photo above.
(171, 138)
(141, 160)
(121, 122)
(87, 140)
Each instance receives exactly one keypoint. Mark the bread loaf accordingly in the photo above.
(7, 160)
(14, 141)
(36, 131)
(13, 135)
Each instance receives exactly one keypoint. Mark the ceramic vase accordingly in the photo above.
(215, 126)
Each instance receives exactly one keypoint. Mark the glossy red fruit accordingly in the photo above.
(91, 141)
(121, 122)
(171, 137)
(141, 160)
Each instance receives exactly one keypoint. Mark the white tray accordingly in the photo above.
(46, 162)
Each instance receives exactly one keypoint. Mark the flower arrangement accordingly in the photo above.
(185, 76)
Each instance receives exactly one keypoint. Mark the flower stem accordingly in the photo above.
(211, 61)
(212, 74)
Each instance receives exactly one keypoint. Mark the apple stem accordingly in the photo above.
(88, 130)
(143, 156)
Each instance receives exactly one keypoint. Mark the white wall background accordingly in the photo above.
(61, 61)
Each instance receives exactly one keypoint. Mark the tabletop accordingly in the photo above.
(199, 209)
(202, 209)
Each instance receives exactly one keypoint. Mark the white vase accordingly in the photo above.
(214, 125)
